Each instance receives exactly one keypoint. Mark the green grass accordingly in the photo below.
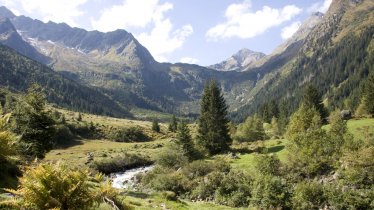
(361, 128)
(275, 146)
(155, 201)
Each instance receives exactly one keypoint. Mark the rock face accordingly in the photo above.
(10, 37)
(243, 58)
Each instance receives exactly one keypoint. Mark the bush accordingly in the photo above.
(169, 195)
(62, 135)
(54, 186)
(197, 169)
(172, 157)
(174, 182)
(269, 192)
(250, 130)
(207, 186)
(267, 164)
(131, 134)
(234, 189)
(120, 163)
(308, 195)
(83, 129)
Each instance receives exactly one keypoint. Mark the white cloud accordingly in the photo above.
(320, 6)
(161, 40)
(131, 13)
(243, 23)
(289, 30)
(189, 60)
(50, 10)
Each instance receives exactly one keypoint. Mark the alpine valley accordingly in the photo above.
(117, 66)
(91, 120)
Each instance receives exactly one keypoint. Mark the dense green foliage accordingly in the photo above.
(156, 126)
(8, 149)
(213, 133)
(34, 123)
(184, 139)
(56, 186)
(131, 134)
(368, 95)
(312, 98)
(250, 130)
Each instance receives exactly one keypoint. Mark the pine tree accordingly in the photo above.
(312, 98)
(155, 126)
(173, 126)
(184, 140)
(33, 123)
(368, 95)
(213, 133)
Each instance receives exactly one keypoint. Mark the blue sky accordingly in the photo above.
(193, 31)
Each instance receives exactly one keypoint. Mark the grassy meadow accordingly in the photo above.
(76, 154)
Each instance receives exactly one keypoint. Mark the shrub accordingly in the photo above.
(308, 195)
(51, 186)
(120, 163)
(174, 182)
(169, 195)
(234, 189)
(197, 169)
(267, 164)
(62, 135)
(172, 156)
(250, 130)
(131, 134)
(269, 192)
(207, 186)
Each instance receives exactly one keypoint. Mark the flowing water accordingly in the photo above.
(127, 179)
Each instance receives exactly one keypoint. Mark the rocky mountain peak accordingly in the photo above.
(5, 12)
(239, 60)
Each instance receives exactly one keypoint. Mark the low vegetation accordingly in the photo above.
(120, 163)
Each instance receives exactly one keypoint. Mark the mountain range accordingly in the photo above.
(116, 67)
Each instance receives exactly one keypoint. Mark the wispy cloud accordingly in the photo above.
(290, 30)
(161, 40)
(321, 6)
(189, 60)
(50, 10)
(243, 23)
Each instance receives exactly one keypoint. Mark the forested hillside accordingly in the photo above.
(18, 73)
(337, 57)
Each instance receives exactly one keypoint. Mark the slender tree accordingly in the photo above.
(213, 132)
(173, 126)
(184, 140)
(155, 126)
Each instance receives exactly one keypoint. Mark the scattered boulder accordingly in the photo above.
(346, 114)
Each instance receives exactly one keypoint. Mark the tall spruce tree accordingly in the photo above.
(33, 123)
(368, 95)
(312, 98)
(213, 132)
